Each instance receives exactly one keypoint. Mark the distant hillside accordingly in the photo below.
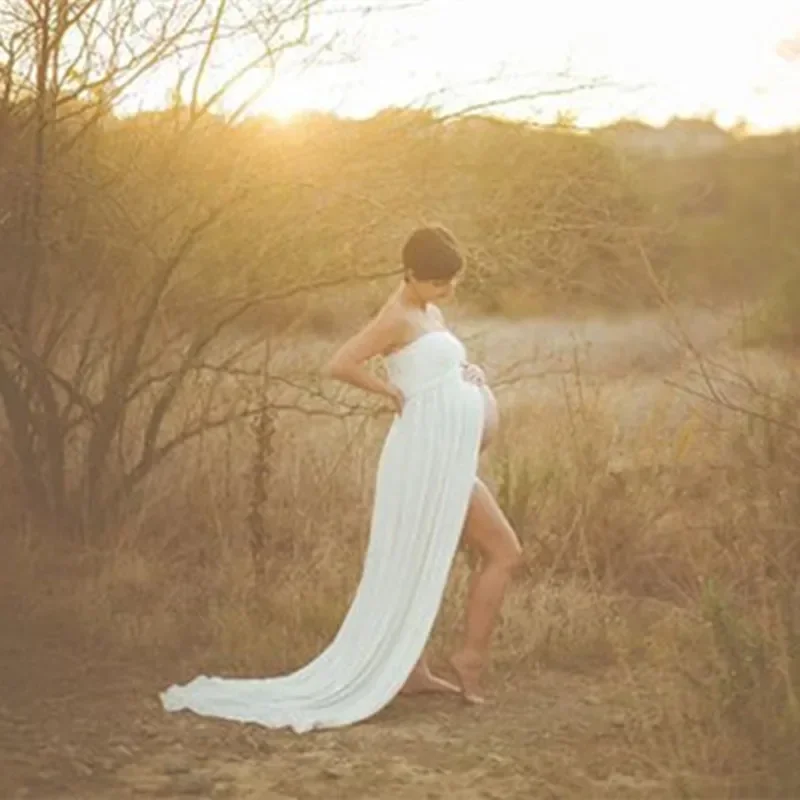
(677, 139)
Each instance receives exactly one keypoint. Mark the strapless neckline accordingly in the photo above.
(418, 339)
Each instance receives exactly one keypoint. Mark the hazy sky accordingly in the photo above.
(691, 55)
(679, 57)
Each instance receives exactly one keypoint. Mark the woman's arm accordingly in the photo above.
(379, 336)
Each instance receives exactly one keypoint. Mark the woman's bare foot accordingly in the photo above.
(425, 682)
(468, 668)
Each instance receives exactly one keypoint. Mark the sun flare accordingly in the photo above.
(287, 96)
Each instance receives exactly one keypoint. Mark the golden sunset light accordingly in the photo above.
(400, 399)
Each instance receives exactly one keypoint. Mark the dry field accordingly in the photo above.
(651, 648)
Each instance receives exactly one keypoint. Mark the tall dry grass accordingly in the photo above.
(666, 550)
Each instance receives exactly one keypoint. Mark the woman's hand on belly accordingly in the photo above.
(474, 374)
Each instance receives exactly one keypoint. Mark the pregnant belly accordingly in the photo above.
(491, 417)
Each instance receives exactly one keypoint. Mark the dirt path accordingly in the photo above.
(75, 724)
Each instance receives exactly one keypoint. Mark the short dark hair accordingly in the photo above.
(432, 253)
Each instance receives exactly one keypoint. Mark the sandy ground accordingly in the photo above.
(74, 724)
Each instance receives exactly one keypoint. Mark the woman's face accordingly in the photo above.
(436, 290)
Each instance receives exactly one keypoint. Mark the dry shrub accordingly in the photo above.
(676, 548)
(593, 507)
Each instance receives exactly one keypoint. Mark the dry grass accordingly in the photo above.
(661, 545)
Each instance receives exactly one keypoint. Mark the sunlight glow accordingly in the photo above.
(680, 58)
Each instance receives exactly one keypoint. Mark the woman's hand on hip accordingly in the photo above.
(396, 397)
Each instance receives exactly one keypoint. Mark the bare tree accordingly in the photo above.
(133, 248)
(94, 243)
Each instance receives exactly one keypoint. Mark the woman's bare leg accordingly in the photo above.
(490, 534)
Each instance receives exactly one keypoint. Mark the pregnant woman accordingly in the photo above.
(427, 498)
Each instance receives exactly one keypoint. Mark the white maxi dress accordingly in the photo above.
(426, 473)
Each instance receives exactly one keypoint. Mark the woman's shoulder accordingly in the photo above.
(392, 318)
